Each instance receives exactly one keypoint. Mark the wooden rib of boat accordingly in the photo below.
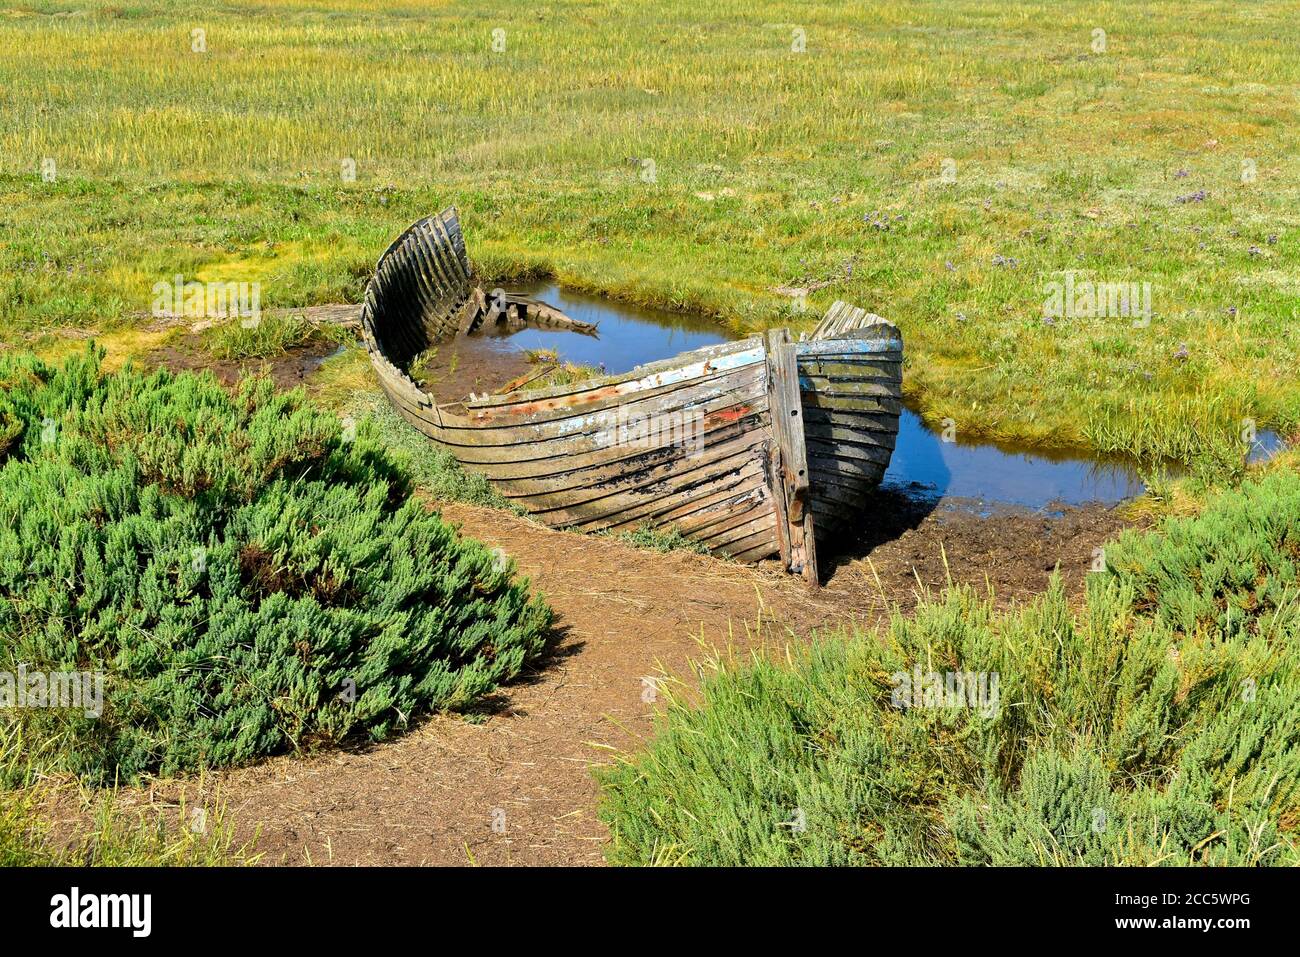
(754, 448)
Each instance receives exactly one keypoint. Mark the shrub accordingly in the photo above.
(1152, 725)
(433, 468)
(1234, 568)
(250, 577)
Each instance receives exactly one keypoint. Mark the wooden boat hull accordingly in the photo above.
(747, 447)
(850, 386)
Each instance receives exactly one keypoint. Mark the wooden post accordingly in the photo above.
(791, 480)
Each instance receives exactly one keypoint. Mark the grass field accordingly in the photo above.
(938, 163)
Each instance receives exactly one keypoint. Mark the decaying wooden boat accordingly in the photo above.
(755, 448)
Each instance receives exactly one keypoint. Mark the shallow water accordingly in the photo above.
(983, 472)
(629, 335)
(962, 473)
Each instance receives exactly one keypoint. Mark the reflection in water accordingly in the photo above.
(922, 465)
(1267, 444)
(629, 335)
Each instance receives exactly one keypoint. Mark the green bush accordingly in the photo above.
(251, 577)
(1159, 723)
(433, 468)
(1235, 568)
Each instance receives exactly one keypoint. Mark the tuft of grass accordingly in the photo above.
(433, 469)
(1158, 723)
(268, 337)
(566, 373)
(540, 356)
(660, 539)
(109, 836)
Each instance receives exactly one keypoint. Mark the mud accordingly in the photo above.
(476, 364)
(289, 370)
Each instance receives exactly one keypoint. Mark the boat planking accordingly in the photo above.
(755, 448)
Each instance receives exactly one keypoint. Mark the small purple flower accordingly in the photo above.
(949, 266)
(1182, 353)
(1197, 197)
(1181, 174)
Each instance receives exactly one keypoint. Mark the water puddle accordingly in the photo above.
(629, 335)
(984, 473)
(963, 473)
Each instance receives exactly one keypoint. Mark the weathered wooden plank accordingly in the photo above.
(573, 506)
(620, 467)
(866, 403)
(602, 411)
(852, 366)
(850, 419)
(875, 341)
(703, 521)
(851, 483)
(848, 386)
(863, 457)
(762, 541)
(549, 455)
(747, 480)
(792, 464)
(577, 469)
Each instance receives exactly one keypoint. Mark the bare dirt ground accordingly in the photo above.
(513, 784)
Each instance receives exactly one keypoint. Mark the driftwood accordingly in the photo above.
(508, 312)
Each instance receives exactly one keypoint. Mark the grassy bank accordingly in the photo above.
(1159, 723)
(940, 164)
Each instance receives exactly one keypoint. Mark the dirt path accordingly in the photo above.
(434, 795)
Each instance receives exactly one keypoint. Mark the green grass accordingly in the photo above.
(247, 573)
(771, 168)
(1158, 723)
(661, 540)
(268, 337)
(110, 835)
(433, 468)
